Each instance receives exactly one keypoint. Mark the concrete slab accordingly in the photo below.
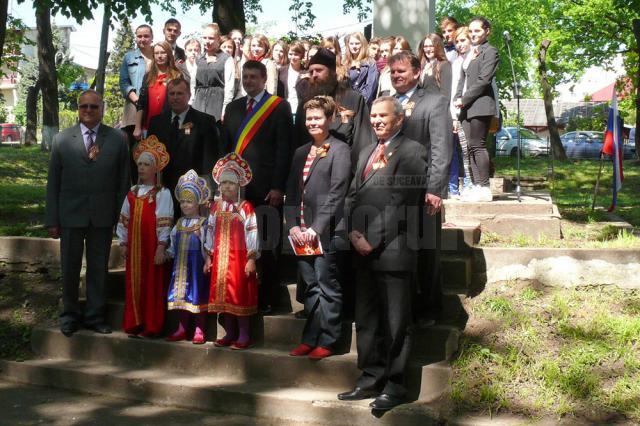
(23, 404)
(211, 393)
(507, 203)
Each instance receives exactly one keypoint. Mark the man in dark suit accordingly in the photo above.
(191, 137)
(87, 182)
(428, 122)
(171, 31)
(384, 200)
(259, 127)
(351, 124)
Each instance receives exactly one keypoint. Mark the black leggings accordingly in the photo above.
(476, 131)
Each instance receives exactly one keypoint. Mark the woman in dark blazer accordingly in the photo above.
(436, 69)
(476, 98)
(316, 190)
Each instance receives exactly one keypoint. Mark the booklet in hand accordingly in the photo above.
(313, 249)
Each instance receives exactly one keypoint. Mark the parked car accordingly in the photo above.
(10, 133)
(588, 144)
(532, 144)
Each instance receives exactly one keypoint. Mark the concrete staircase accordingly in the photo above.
(533, 216)
(262, 382)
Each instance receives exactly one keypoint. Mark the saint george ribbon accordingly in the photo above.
(254, 119)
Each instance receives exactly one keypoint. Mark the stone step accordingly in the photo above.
(427, 377)
(460, 238)
(457, 271)
(285, 332)
(512, 225)
(208, 392)
(534, 204)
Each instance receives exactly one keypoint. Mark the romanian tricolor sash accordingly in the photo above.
(252, 122)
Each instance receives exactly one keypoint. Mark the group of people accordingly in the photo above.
(350, 153)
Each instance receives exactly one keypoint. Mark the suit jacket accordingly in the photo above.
(82, 192)
(385, 206)
(429, 123)
(268, 154)
(479, 99)
(323, 192)
(179, 55)
(197, 148)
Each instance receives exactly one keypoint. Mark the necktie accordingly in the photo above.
(402, 98)
(250, 103)
(90, 139)
(377, 156)
(175, 126)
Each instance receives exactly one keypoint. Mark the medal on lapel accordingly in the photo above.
(187, 128)
(408, 108)
(93, 152)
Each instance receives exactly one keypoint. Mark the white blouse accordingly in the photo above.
(164, 214)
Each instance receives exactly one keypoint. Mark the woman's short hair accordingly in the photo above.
(324, 103)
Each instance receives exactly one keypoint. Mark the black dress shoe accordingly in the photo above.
(357, 394)
(100, 328)
(266, 310)
(69, 329)
(302, 314)
(386, 402)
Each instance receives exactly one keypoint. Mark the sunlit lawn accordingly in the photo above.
(572, 184)
(23, 178)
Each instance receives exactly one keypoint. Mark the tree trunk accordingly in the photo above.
(557, 149)
(4, 7)
(47, 75)
(636, 33)
(229, 14)
(102, 58)
(31, 104)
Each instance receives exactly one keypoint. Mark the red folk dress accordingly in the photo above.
(144, 307)
(232, 238)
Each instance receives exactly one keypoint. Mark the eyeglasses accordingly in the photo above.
(89, 106)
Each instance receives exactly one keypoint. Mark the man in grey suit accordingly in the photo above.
(428, 122)
(384, 200)
(88, 180)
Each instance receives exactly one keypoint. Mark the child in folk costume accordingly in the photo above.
(143, 234)
(188, 290)
(232, 238)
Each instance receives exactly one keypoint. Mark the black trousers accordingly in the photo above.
(132, 143)
(428, 300)
(383, 319)
(476, 129)
(269, 233)
(323, 298)
(98, 245)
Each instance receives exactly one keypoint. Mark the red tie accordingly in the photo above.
(250, 103)
(378, 155)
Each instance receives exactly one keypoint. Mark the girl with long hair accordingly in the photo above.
(363, 73)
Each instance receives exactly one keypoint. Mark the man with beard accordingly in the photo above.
(351, 124)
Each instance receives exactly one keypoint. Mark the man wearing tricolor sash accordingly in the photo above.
(259, 127)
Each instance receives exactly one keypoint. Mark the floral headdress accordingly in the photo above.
(155, 149)
(192, 187)
(233, 168)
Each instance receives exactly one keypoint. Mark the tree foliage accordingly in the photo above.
(81, 10)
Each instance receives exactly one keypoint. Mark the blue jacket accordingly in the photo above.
(364, 80)
(132, 72)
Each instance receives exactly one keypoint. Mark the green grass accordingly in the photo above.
(572, 184)
(23, 179)
(551, 352)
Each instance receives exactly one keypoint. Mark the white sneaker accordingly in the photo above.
(484, 194)
(470, 194)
